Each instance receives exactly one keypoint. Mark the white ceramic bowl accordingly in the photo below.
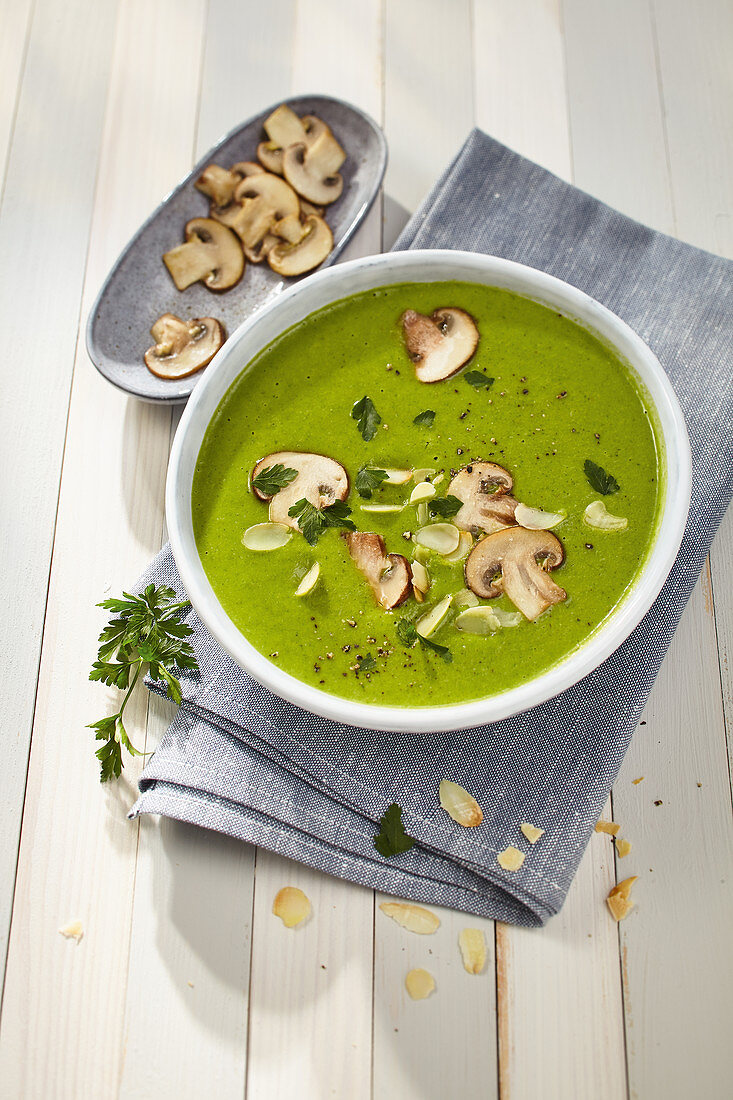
(326, 286)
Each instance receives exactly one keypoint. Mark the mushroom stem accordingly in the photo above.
(508, 561)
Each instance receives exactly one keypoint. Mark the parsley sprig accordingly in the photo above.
(314, 521)
(601, 481)
(367, 418)
(408, 635)
(445, 506)
(273, 478)
(425, 418)
(367, 480)
(392, 840)
(478, 380)
(145, 634)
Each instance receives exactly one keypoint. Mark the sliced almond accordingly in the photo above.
(637, 781)
(531, 832)
(465, 542)
(397, 477)
(422, 473)
(385, 509)
(534, 519)
(419, 984)
(511, 859)
(266, 536)
(465, 598)
(477, 620)
(291, 905)
(598, 517)
(420, 577)
(74, 930)
(609, 827)
(508, 618)
(472, 943)
(429, 623)
(422, 513)
(619, 899)
(423, 491)
(623, 847)
(309, 581)
(441, 537)
(412, 917)
(459, 804)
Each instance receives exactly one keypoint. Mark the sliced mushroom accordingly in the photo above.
(183, 347)
(212, 254)
(259, 201)
(509, 561)
(290, 229)
(262, 249)
(307, 208)
(388, 575)
(271, 156)
(247, 168)
(311, 250)
(313, 169)
(441, 344)
(320, 480)
(218, 183)
(484, 489)
(283, 127)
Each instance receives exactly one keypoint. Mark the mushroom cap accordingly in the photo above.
(218, 183)
(183, 347)
(311, 250)
(247, 168)
(515, 553)
(212, 254)
(483, 487)
(321, 481)
(389, 575)
(312, 168)
(441, 344)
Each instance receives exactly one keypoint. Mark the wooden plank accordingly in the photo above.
(43, 234)
(62, 1027)
(16, 24)
(445, 1045)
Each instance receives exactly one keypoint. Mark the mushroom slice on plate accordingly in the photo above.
(259, 202)
(320, 480)
(211, 254)
(509, 561)
(283, 127)
(183, 347)
(441, 344)
(262, 249)
(313, 169)
(311, 250)
(218, 183)
(388, 575)
(247, 168)
(484, 489)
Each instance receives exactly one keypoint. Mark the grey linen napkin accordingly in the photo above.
(242, 761)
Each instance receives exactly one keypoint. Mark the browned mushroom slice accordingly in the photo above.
(439, 345)
(313, 169)
(515, 561)
(320, 480)
(211, 254)
(307, 208)
(183, 347)
(483, 487)
(262, 249)
(388, 575)
(311, 250)
(283, 127)
(247, 168)
(271, 157)
(218, 183)
(260, 201)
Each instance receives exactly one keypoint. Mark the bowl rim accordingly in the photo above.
(431, 265)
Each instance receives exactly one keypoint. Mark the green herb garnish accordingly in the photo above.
(365, 664)
(145, 634)
(314, 521)
(478, 380)
(445, 506)
(425, 418)
(368, 479)
(408, 635)
(367, 418)
(272, 479)
(599, 479)
(392, 840)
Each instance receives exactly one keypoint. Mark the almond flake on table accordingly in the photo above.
(531, 832)
(619, 899)
(73, 931)
(459, 804)
(639, 780)
(412, 917)
(511, 859)
(291, 905)
(623, 847)
(609, 827)
(419, 984)
(472, 943)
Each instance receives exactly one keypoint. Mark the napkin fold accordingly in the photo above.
(244, 762)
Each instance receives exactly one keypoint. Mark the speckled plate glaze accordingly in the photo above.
(139, 289)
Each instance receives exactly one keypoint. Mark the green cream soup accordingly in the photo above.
(559, 397)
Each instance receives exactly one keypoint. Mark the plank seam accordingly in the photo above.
(18, 93)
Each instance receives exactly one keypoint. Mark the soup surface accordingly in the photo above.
(559, 397)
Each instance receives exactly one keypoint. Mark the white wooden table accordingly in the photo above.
(184, 984)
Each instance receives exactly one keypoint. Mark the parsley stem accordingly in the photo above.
(132, 685)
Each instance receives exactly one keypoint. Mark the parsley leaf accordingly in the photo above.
(408, 635)
(478, 380)
(273, 478)
(392, 840)
(445, 506)
(599, 479)
(425, 418)
(367, 418)
(368, 479)
(366, 664)
(145, 632)
(314, 521)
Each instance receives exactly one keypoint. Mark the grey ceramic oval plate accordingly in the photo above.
(139, 289)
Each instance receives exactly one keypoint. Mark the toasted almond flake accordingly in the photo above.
(421, 474)
(465, 542)
(429, 623)
(412, 917)
(598, 517)
(419, 984)
(459, 804)
(422, 491)
(477, 620)
(441, 537)
(619, 899)
(437, 480)
(623, 847)
(266, 536)
(384, 508)
(74, 930)
(508, 618)
(309, 581)
(421, 554)
(291, 906)
(511, 859)
(420, 577)
(397, 477)
(422, 514)
(472, 943)
(531, 832)
(609, 827)
(639, 780)
(534, 519)
(465, 598)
